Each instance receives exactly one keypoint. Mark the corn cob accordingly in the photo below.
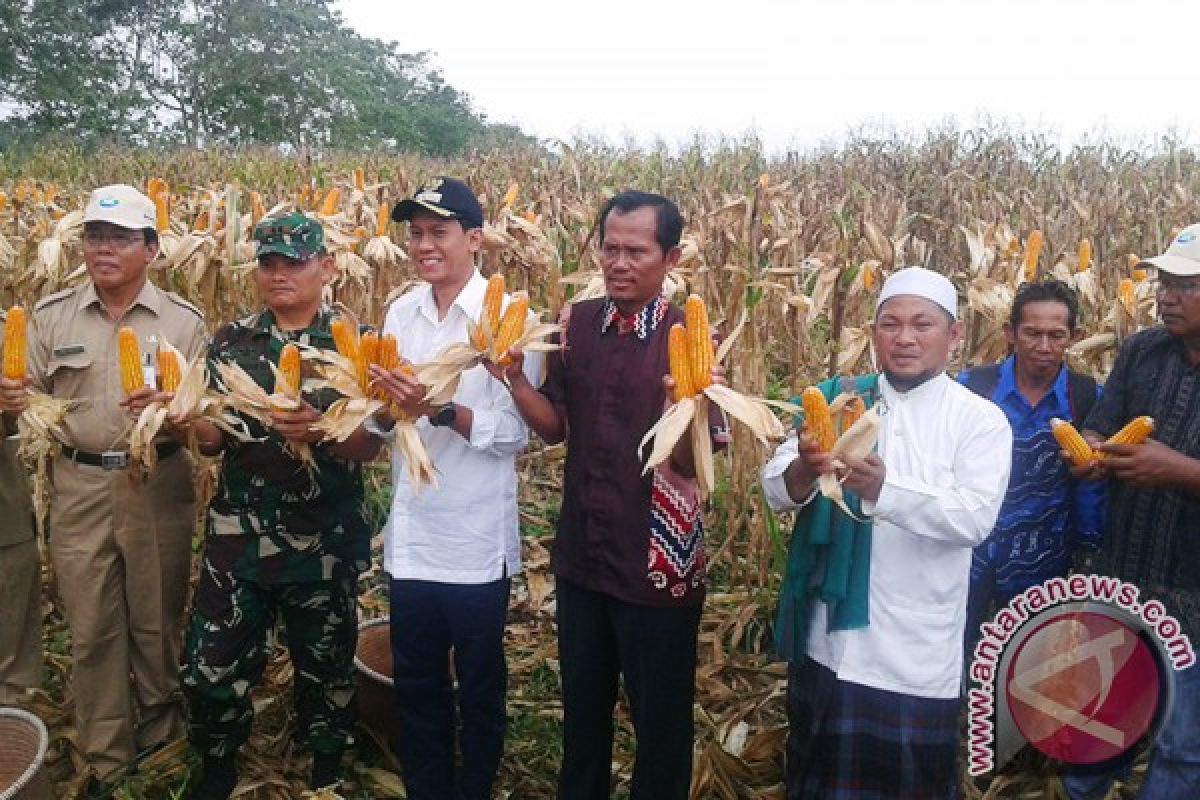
(155, 187)
(1135, 431)
(130, 355)
(287, 380)
(1139, 275)
(512, 325)
(1033, 249)
(162, 217)
(344, 339)
(3, 200)
(330, 204)
(382, 218)
(201, 223)
(510, 196)
(868, 278)
(851, 412)
(1075, 446)
(169, 371)
(817, 418)
(493, 299)
(700, 346)
(677, 358)
(1125, 293)
(368, 354)
(1085, 255)
(388, 354)
(14, 344)
(360, 179)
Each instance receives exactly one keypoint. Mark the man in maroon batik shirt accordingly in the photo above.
(629, 556)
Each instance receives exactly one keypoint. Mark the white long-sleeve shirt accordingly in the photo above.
(947, 453)
(466, 529)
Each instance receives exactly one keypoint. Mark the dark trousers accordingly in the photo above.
(600, 639)
(427, 620)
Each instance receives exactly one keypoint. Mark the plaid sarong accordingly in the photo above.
(847, 741)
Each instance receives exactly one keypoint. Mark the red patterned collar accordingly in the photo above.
(642, 323)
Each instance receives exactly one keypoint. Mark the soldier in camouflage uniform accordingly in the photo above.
(281, 540)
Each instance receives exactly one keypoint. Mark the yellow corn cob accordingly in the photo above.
(851, 412)
(162, 218)
(677, 358)
(512, 325)
(868, 278)
(1125, 292)
(1139, 275)
(360, 179)
(155, 187)
(382, 218)
(14, 344)
(330, 204)
(169, 371)
(817, 418)
(1085, 255)
(368, 353)
(510, 196)
(1033, 249)
(1075, 446)
(493, 299)
(3, 200)
(287, 381)
(344, 339)
(700, 346)
(130, 355)
(387, 356)
(1135, 431)
(201, 223)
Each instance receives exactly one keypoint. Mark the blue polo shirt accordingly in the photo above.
(1046, 514)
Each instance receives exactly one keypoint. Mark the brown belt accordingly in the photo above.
(114, 459)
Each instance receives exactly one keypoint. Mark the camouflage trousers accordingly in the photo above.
(227, 651)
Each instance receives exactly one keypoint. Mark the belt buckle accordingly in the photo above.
(114, 459)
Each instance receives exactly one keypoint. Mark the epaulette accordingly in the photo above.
(179, 301)
(51, 299)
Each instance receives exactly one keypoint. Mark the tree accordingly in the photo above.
(223, 72)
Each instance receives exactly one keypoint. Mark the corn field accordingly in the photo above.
(799, 244)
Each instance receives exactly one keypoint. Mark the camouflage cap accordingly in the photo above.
(295, 236)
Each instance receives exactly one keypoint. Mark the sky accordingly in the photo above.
(803, 73)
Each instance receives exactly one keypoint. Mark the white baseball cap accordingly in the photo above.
(1183, 256)
(121, 205)
(921, 282)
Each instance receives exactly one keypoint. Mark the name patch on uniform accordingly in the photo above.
(68, 350)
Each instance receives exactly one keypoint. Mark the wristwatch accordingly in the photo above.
(444, 417)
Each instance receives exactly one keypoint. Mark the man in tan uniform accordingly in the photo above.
(20, 579)
(120, 548)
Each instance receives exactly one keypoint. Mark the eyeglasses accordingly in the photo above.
(115, 238)
(1179, 289)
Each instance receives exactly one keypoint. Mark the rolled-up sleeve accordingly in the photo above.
(774, 484)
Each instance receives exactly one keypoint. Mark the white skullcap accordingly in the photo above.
(921, 282)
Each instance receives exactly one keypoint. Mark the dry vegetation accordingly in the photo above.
(801, 243)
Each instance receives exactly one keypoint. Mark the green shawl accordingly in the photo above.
(829, 556)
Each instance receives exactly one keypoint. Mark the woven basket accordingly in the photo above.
(376, 701)
(23, 742)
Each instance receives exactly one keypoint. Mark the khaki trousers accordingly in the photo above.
(20, 621)
(121, 553)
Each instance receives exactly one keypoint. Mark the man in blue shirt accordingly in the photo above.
(1047, 515)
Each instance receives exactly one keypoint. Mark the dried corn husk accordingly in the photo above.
(349, 412)
(856, 443)
(246, 397)
(191, 399)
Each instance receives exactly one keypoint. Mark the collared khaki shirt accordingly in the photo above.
(73, 355)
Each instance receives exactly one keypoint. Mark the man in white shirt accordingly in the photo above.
(876, 657)
(450, 550)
